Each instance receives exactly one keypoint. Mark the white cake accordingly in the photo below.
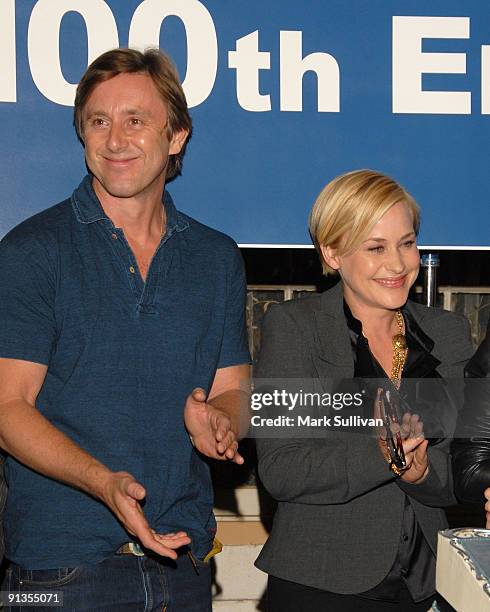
(463, 568)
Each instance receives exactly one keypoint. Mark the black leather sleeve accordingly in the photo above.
(471, 447)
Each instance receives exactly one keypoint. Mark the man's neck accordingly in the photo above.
(142, 217)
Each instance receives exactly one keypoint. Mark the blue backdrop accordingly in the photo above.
(267, 138)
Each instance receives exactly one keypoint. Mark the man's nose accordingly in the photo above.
(116, 137)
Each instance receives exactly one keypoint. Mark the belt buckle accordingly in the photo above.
(135, 549)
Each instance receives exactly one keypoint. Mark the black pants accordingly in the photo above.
(285, 596)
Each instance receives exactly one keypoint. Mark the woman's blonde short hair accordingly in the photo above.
(350, 206)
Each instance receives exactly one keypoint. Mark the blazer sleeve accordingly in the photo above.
(471, 447)
(438, 488)
(331, 470)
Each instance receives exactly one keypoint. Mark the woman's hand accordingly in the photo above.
(415, 448)
(416, 456)
(411, 431)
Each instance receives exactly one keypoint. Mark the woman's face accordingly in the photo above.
(381, 271)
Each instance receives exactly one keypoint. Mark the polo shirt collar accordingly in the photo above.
(175, 221)
(88, 209)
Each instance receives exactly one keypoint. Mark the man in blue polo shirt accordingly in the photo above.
(122, 354)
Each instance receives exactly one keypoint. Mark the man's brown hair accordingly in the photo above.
(163, 73)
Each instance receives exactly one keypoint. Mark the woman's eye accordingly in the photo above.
(409, 243)
(377, 249)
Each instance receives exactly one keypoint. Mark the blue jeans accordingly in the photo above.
(121, 583)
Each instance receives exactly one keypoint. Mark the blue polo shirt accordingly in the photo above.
(122, 356)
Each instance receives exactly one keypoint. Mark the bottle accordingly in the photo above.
(430, 263)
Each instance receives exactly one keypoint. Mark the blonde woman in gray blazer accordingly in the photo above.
(352, 530)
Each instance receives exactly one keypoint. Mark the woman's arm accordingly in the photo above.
(437, 488)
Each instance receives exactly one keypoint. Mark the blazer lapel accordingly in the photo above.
(332, 355)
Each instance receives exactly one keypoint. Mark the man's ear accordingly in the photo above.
(178, 141)
(330, 257)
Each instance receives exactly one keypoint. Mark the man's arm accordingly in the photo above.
(217, 422)
(29, 437)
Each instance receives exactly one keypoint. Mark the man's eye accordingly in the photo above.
(98, 121)
(135, 121)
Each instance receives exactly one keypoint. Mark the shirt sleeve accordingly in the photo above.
(27, 295)
(234, 347)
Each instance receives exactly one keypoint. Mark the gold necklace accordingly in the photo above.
(400, 350)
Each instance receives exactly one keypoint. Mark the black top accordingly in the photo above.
(415, 563)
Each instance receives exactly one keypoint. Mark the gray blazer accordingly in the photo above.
(339, 516)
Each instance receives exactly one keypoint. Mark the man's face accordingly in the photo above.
(125, 136)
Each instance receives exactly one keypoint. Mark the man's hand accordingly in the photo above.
(210, 428)
(122, 494)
